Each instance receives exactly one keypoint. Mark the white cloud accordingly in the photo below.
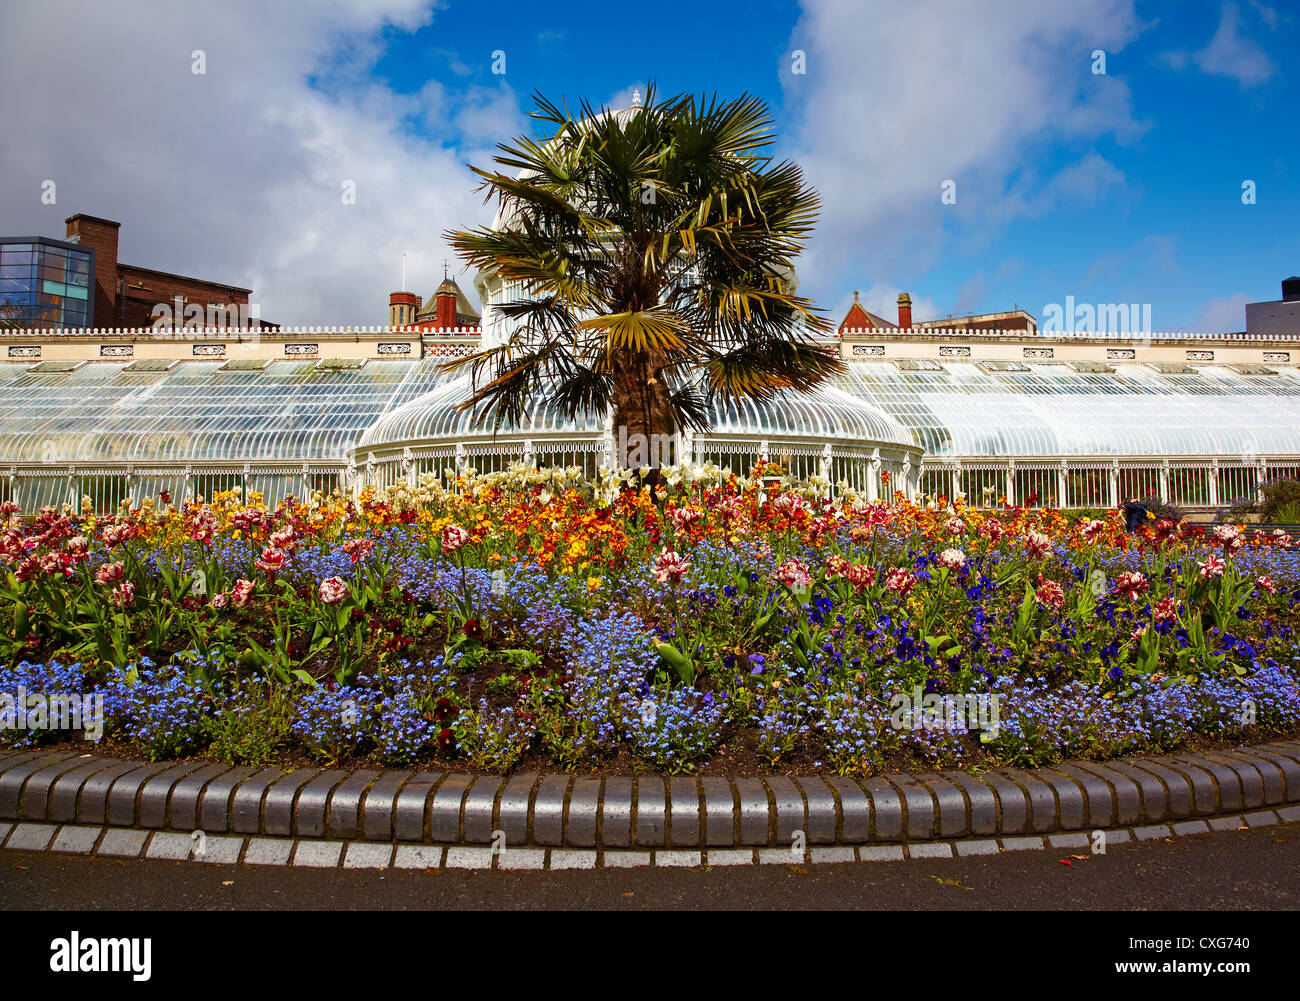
(1149, 255)
(1223, 316)
(236, 175)
(1266, 14)
(1031, 195)
(898, 98)
(1229, 53)
(623, 98)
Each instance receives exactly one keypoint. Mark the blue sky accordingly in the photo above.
(1117, 187)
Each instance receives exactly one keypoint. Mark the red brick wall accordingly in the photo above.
(125, 296)
(135, 305)
(1014, 323)
(402, 307)
(101, 234)
(446, 310)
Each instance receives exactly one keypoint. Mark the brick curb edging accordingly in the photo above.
(643, 812)
(123, 844)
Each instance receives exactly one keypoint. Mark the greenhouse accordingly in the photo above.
(1088, 435)
(109, 430)
(1049, 433)
(827, 433)
(991, 415)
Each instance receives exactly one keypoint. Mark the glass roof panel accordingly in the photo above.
(293, 412)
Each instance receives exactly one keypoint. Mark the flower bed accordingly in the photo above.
(712, 622)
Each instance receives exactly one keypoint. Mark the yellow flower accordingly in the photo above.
(593, 583)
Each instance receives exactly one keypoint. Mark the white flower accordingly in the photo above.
(953, 559)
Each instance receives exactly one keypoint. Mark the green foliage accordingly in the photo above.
(655, 248)
(494, 741)
(1288, 513)
(502, 683)
(1281, 501)
(252, 726)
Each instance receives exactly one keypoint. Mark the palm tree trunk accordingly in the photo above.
(643, 406)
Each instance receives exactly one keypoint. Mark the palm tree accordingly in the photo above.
(654, 247)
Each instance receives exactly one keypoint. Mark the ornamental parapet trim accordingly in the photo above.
(939, 462)
(1172, 337)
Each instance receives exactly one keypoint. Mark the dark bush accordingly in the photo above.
(1279, 496)
(1281, 503)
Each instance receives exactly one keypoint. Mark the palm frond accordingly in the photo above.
(655, 249)
(657, 331)
(757, 371)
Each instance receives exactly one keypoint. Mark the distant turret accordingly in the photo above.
(402, 307)
(447, 309)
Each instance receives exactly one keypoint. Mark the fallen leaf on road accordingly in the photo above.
(227, 882)
(629, 894)
(1066, 861)
(951, 882)
(1081, 858)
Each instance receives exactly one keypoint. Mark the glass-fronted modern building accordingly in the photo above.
(46, 283)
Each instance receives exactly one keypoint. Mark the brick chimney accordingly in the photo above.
(447, 301)
(904, 311)
(101, 234)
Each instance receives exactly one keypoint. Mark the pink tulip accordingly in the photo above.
(1132, 585)
(1211, 566)
(333, 590)
(242, 593)
(900, 581)
(453, 538)
(669, 566)
(110, 573)
(792, 573)
(124, 595)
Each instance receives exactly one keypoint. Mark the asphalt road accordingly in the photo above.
(1256, 869)
(1079, 924)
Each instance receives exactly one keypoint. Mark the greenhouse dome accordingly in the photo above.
(826, 432)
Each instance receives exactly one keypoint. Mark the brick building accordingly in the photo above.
(126, 295)
(859, 318)
(447, 309)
